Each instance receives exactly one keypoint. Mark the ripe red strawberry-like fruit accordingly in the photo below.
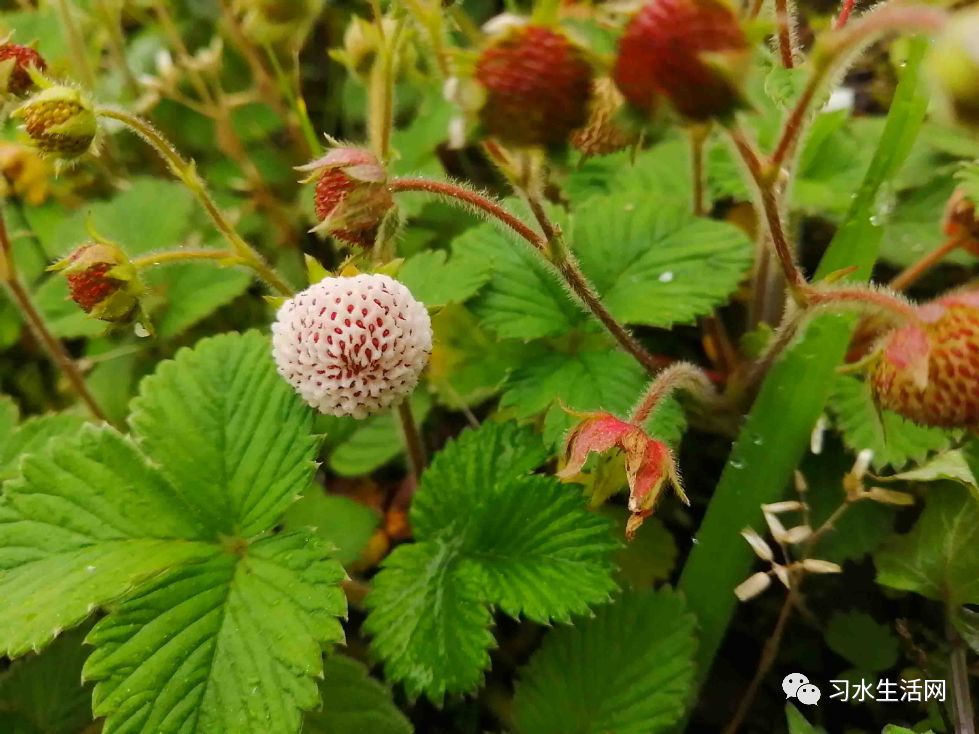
(15, 60)
(538, 85)
(102, 281)
(351, 197)
(692, 52)
(929, 371)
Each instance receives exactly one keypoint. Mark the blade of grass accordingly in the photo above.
(792, 396)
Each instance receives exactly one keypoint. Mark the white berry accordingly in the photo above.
(352, 346)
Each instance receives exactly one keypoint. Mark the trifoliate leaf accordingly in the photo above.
(340, 521)
(429, 621)
(227, 431)
(653, 262)
(354, 703)
(937, 558)
(628, 670)
(222, 645)
(87, 520)
(31, 436)
(894, 440)
(869, 645)
(43, 694)
(487, 534)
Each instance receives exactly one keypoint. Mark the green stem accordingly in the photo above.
(413, 440)
(172, 256)
(77, 45)
(52, 345)
(186, 172)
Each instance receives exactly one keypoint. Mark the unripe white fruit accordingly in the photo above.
(352, 346)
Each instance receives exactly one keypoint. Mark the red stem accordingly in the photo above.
(845, 12)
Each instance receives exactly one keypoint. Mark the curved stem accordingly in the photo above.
(769, 201)
(413, 440)
(842, 41)
(910, 275)
(172, 256)
(186, 172)
(59, 355)
(862, 298)
(474, 199)
(551, 247)
(678, 376)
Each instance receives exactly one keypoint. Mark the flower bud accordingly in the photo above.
(60, 121)
(102, 281)
(953, 65)
(352, 198)
(15, 64)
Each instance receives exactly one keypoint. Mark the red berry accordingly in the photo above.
(538, 85)
(19, 80)
(676, 48)
(92, 286)
(929, 371)
(332, 188)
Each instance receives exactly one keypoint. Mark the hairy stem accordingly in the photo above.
(172, 256)
(678, 376)
(845, 11)
(186, 172)
(413, 440)
(53, 346)
(910, 275)
(765, 188)
(784, 22)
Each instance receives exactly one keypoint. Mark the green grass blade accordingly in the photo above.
(792, 397)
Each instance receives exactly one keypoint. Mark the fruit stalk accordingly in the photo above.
(417, 457)
(910, 275)
(186, 172)
(54, 347)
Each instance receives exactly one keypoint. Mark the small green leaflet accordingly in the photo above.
(894, 440)
(869, 645)
(488, 534)
(354, 703)
(937, 558)
(628, 670)
(214, 625)
(29, 436)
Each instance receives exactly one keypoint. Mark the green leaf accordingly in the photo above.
(62, 315)
(87, 520)
(468, 364)
(894, 440)
(429, 621)
(867, 644)
(487, 534)
(222, 645)
(653, 262)
(628, 670)
(43, 694)
(358, 447)
(525, 298)
(948, 465)
(436, 280)
(649, 557)
(354, 703)
(798, 723)
(31, 436)
(342, 522)
(602, 378)
(937, 559)
(193, 291)
(252, 450)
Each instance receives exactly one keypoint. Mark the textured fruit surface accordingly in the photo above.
(39, 119)
(538, 85)
(603, 134)
(930, 372)
(362, 217)
(24, 56)
(352, 346)
(92, 286)
(677, 48)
